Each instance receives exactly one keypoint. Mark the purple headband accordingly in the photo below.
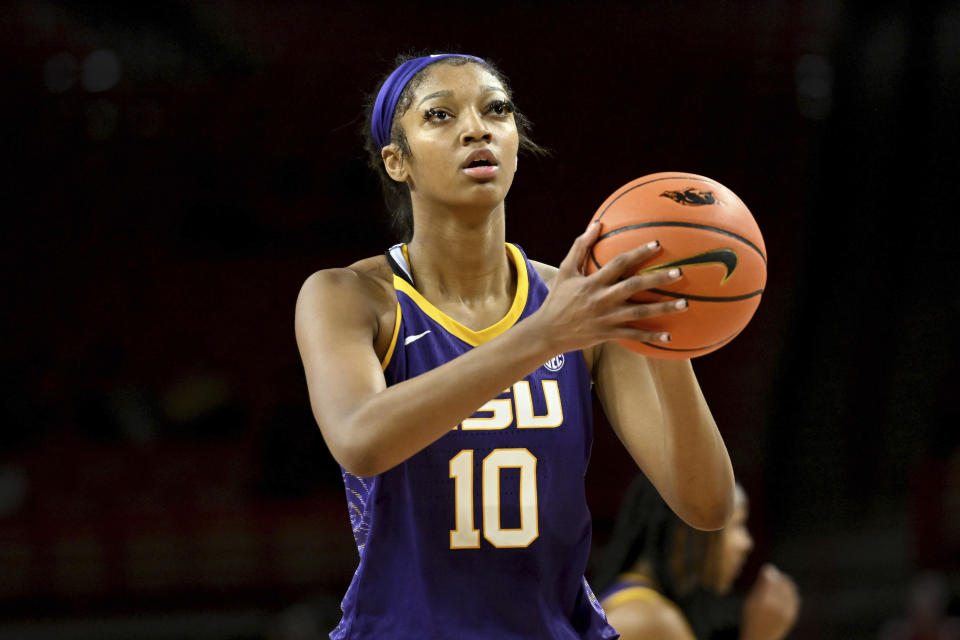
(389, 94)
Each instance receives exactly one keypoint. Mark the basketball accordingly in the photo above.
(704, 229)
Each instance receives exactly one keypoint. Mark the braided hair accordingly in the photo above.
(681, 560)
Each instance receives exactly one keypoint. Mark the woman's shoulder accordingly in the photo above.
(366, 277)
(374, 272)
(650, 618)
(367, 283)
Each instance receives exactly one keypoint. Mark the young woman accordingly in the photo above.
(662, 579)
(451, 380)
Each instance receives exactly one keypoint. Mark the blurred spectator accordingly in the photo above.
(14, 489)
(109, 406)
(293, 458)
(662, 579)
(200, 404)
(935, 486)
(307, 620)
(927, 618)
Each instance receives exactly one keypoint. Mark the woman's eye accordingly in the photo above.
(501, 107)
(435, 115)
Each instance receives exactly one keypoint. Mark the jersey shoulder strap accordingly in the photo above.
(397, 259)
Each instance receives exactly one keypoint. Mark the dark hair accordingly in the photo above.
(397, 195)
(682, 560)
(680, 557)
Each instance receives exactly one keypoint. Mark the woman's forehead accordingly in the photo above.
(460, 78)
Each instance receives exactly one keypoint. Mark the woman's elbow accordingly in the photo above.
(356, 463)
(358, 451)
(711, 521)
(711, 512)
(356, 458)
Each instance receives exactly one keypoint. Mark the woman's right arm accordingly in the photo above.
(370, 427)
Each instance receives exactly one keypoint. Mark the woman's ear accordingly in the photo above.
(393, 162)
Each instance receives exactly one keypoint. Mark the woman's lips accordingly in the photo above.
(484, 171)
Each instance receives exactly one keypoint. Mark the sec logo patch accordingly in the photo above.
(555, 363)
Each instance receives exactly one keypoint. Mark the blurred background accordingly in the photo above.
(173, 172)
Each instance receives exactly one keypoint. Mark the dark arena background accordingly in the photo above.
(174, 171)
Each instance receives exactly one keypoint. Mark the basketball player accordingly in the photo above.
(451, 380)
(662, 579)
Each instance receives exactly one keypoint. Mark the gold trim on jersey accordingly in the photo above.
(393, 340)
(633, 594)
(468, 335)
(638, 593)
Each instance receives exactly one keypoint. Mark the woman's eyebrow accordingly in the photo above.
(446, 93)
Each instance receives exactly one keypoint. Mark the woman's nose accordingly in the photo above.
(474, 128)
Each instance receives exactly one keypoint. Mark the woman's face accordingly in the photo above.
(462, 138)
(735, 543)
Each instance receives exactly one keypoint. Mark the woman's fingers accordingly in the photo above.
(629, 313)
(633, 311)
(643, 281)
(641, 335)
(602, 300)
(616, 268)
(625, 319)
(578, 250)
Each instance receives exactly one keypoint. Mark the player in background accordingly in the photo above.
(451, 381)
(660, 578)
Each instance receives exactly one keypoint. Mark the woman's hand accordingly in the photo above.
(771, 607)
(655, 406)
(584, 310)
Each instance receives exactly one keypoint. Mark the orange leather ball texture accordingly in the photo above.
(703, 228)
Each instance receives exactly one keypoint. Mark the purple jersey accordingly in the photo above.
(485, 533)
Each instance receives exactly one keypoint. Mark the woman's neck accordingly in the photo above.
(461, 261)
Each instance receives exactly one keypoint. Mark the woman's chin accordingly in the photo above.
(487, 198)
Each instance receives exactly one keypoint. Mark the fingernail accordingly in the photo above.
(653, 245)
(664, 337)
(675, 273)
(680, 304)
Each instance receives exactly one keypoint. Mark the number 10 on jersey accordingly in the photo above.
(466, 536)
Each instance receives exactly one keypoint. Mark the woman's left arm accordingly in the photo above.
(658, 411)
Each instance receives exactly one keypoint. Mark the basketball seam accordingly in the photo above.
(689, 225)
(593, 256)
(690, 296)
(637, 186)
(709, 346)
